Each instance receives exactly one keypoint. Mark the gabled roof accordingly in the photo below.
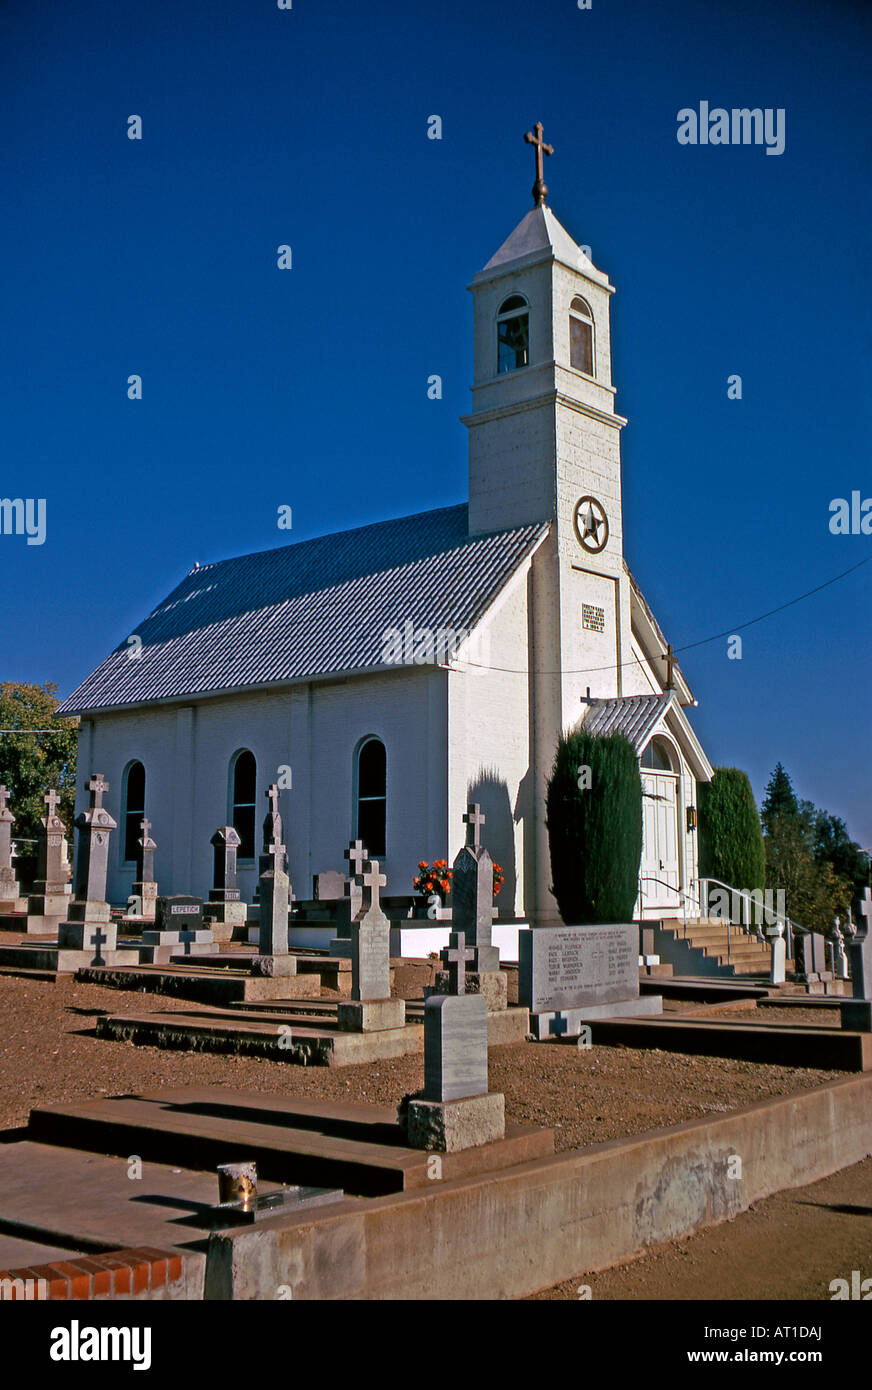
(639, 716)
(317, 608)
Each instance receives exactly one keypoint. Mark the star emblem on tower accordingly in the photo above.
(591, 524)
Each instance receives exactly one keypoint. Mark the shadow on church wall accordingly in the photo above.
(498, 831)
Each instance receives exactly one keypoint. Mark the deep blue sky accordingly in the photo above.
(308, 387)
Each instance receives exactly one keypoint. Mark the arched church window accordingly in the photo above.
(581, 336)
(513, 334)
(657, 756)
(372, 795)
(243, 783)
(134, 809)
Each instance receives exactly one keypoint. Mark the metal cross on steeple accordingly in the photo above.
(539, 188)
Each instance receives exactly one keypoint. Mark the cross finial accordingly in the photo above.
(51, 802)
(97, 786)
(273, 794)
(372, 881)
(669, 658)
(145, 827)
(539, 188)
(356, 855)
(474, 820)
(454, 957)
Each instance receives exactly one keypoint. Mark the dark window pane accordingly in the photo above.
(371, 825)
(134, 809)
(515, 301)
(244, 798)
(372, 767)
(243, 824)
(245, 779)
(513, 342)
(581, 345)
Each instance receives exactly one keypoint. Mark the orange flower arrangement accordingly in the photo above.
(499, 878)
(433, 878)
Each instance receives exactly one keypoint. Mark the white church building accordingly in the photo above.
(386, 676)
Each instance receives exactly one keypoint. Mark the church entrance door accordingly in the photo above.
(661, 877)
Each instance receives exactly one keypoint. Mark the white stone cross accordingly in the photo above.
(273, 795)
(474, 820)
(372, 881)
(97, 786)
(866, 908)
(51, 802)
(356, 855)
(454, 956)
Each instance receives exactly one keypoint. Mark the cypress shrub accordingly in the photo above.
(730, 837)
(595, 831)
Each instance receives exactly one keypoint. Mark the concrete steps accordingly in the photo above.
(705, 947)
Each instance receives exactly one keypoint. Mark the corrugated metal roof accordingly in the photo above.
(637, 716)
(315, 608)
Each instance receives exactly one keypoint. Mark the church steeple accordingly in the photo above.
(543, 432)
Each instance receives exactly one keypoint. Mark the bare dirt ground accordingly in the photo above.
(789, 1247)
(48, 1054)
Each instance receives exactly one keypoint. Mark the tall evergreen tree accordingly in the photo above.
(780, 799)
(730, 838)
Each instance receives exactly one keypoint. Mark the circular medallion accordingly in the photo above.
(591, 525)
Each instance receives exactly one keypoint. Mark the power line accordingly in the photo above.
(728, 632)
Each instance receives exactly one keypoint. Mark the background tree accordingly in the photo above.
(779, 800)
(730, 838)
(30, 763)
(810, 855)
(595, 827)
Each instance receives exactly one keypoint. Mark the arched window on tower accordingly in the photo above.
(581, 336)
(513, 334)
(134, 809)
(243, 799)
(371, 810)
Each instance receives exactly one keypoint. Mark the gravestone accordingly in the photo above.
(274, 900)
(455, 1111)
(10, 893)
(839, 958)
(352, 899)
(778, 954)
(817, 969)
(857, 1012)
(49, 904)
(371, 1007)
(472, 912)
(89, 909)
(179, 929)
(328, 887)
(568, 976)
(225, 909)
(145, 886)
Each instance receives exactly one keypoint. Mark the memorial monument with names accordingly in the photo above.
(572, 975)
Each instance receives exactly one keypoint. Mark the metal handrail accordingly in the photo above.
(788, 922)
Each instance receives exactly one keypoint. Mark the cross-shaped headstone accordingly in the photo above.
(454, 957)
(273, 795)
(356, 855)
(866, 908)
(4, 797)
(51, 802)
(145, 827)
(539, 188)
(372, 881)
(474, 820)
(97, 786)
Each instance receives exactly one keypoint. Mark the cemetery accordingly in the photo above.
(273, 1179)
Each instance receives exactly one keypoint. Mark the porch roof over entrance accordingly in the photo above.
(639, 716)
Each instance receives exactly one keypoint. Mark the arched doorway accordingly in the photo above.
(661, 801)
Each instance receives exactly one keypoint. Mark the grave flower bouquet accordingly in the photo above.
(433, 878)
(499, 878)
